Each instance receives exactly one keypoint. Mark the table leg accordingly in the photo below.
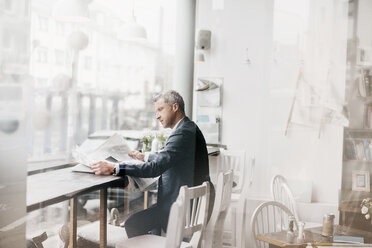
(103, 218)
(126, 202)
(73, 222)
(145, 199)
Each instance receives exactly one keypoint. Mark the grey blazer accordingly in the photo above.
(175, 165)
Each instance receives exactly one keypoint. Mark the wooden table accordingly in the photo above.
(313, 236)
(52, 187)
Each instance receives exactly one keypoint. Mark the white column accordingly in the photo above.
(184, 55)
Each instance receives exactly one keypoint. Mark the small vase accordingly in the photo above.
(145, 147)
(154, 145)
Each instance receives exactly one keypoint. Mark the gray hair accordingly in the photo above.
(171, 97)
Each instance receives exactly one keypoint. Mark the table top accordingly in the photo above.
(313, 235)
(51, 187)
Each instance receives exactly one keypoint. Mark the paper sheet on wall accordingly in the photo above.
(209, 98)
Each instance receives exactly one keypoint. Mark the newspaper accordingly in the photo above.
(114, 149)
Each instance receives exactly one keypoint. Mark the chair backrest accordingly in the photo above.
(214, 230)
(281, 192)
(233, 160)
(196, 212)
(269, 217)
(176, 223)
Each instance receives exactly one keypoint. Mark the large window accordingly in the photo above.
(117, 76)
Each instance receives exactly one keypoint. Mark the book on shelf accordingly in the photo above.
(348, 239)
(358, 149)
(367, 151)
(367, 115)
(364, 83)
(349, 150)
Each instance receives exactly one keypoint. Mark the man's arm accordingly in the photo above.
(175, 149)
(103, 168)
(106, 168)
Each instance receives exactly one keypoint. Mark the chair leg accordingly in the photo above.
(126, 202)
(145, 199)
(233, 226)
(240, 228)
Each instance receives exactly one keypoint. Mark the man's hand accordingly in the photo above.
(102, 168)
(138, 155)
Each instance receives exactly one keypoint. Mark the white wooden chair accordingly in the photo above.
(88, 235)
(281, 192)
(175, 228)
(269, 217)
(235, 161)
(196, 212)
(214, 230)
(193, 220)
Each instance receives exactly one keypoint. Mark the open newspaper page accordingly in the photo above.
(114, 149)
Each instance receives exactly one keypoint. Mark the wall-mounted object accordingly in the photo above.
(204, 84)
(360, 181)
(208, 93)
(203, 41)
(209, 108)
(199, 57)
(247, 59)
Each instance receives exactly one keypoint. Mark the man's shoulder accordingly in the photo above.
(187, 125)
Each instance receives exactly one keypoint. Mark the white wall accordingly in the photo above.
(257, 97)
(240, 25)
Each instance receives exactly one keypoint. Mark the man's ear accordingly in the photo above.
(175, 107)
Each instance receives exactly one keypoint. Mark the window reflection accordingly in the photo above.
(121, 75)
(115, 82)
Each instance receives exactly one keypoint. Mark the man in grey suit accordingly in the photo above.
(175, 165)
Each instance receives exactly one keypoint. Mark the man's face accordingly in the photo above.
(165, 113)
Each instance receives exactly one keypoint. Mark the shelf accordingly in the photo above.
(349, 195)
(358, 130)
(357, 161)
(367, 99)
(363, 66)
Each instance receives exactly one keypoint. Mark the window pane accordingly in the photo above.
(85, 79)
(126, 73)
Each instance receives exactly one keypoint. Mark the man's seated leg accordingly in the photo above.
(143, 222)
